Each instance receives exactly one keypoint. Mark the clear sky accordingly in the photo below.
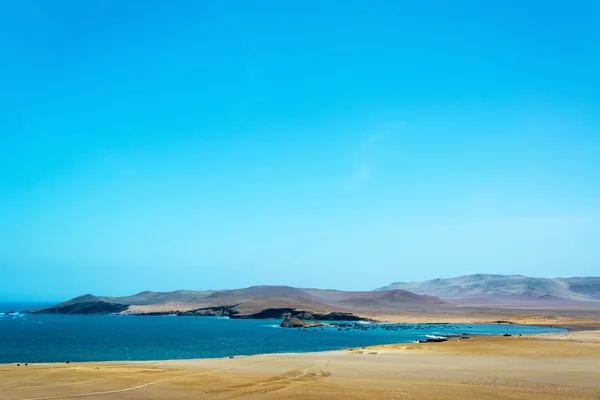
(156, 145)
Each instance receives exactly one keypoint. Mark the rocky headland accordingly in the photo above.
(257, 302)
(294, 322)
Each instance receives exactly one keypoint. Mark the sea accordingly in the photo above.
(77, 338)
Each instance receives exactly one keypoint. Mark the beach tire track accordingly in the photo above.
(275, 383)
(129, 389)
(61, 384)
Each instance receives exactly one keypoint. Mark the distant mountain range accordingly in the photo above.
(506, 289)
(396, 298)
(253, 302)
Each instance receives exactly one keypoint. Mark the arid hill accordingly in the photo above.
(255, 302)
(506, 289)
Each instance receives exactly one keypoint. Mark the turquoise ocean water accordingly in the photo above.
(55, 338)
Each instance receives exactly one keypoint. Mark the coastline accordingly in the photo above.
(486, 366)
(383, 333)
(567, 330)
(367, 347)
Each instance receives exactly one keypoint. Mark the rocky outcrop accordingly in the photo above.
(220, 311)
(338, 316)
(94, 307)
(271, 313)
(105, 307)
(294, 322)
(276, 313)
(305, 315)
(268, 313)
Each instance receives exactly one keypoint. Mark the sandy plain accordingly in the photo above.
(552, 366)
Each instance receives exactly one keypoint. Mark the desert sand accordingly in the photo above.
(580, 317)
(553, 366)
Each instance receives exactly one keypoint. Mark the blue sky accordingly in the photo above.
(202, 145)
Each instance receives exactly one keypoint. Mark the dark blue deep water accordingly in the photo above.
(51, 338)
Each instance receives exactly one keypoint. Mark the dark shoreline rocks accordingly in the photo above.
(294, 322)
(217, 311)
(276, 313)
(92, 307)
(103, 308)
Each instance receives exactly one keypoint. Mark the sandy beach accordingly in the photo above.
(552, 366)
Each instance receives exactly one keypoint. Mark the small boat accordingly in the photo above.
(435, 339)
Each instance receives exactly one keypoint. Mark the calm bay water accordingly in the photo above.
(51, 338)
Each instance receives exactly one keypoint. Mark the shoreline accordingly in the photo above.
(541, 366)
(449, 338)
(345, 349)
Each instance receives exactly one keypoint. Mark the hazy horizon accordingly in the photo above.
(50, 300)
(218, 146)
